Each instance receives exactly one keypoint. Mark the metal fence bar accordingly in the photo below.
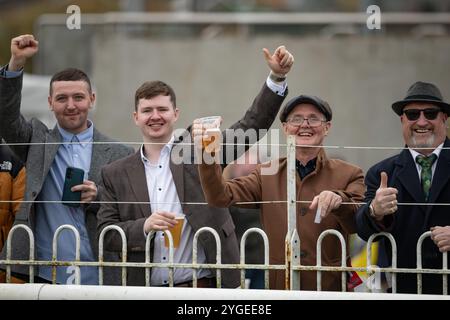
(319, 257)
(295, 267)
(419, 259)
(266, 254)
(77, 251)
(48, 291)
(168, 233)
(445, 275)
(100, 252)
(394, 256)
(218, 255)
(8, 250)
(295, 261)
(291, 214)
(419, 265)
(148, 240)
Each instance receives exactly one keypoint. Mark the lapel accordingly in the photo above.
(101, 154)
(137, 181)
(441, 174)
(408, 176)
(52, 143)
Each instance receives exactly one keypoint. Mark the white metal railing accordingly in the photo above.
(394, 255)
(73, 292)
(124, 252)
(319, 257)
(292, 266)
(295, 267)
(419, 264)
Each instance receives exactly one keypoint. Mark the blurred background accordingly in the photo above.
(210, 52)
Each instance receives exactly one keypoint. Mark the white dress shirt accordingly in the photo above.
(164, 197)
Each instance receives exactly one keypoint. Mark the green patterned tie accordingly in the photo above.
(425, 175)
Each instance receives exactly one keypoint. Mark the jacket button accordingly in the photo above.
(303, 211)
(303, 254)
(34, 194)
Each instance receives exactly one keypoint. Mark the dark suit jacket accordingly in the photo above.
(124, 181)
(39, 157)
(409, 222)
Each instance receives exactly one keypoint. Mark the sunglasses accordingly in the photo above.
(414, 114)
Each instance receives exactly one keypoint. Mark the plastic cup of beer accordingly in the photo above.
(176, 233)
(212, 130)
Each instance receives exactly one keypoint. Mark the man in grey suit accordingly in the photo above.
(166, 188)
(50, 152)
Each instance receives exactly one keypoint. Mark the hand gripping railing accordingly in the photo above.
(8, 250)
(218, 255)
(394, 256)
(319, 257)
(266, 255)
(100, 252)
(419, 265)
(77, 251)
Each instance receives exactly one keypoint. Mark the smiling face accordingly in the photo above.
(70, 101)
(305, 133)
(424, 133)
(156, 118)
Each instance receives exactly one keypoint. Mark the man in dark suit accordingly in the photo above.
(47, 153)
(166, 187)
(404, 191)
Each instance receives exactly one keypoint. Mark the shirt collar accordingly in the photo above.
(436, 151)
(164, 151)
(83, 137)
(302, 170)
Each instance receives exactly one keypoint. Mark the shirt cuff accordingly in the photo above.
(277, 87)
(11, 74)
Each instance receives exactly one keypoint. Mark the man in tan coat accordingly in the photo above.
(324, 182)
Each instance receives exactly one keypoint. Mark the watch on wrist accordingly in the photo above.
(277, 77)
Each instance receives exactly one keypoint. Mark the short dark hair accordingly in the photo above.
(70, 74)
(151, 89)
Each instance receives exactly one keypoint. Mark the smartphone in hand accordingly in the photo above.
(74, 176)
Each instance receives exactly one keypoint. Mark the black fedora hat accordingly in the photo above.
(320, 104)
(422, 92)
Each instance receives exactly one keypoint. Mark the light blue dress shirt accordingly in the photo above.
(76, 152)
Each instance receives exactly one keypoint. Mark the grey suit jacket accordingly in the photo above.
(39, 158)
(124, 181)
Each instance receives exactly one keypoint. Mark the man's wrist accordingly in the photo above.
(15, 65)
(277, 77)
(373, 214)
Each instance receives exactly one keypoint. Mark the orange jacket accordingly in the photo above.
(12, 188)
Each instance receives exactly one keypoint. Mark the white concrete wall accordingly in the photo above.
(360, 78)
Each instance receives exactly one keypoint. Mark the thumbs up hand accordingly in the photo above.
(385, 201)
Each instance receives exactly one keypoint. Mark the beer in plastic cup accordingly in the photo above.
(212, 130)
(176, 233)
